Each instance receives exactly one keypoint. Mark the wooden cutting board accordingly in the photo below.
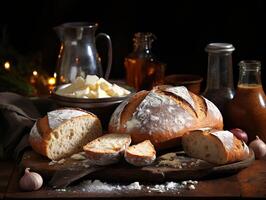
(175, 166)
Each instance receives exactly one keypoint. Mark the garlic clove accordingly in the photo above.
(259, 148)
(30, 181)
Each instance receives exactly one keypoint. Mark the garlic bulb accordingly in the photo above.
(259, 148)
(30, 181)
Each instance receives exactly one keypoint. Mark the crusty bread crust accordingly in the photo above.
(126, 112)
(135, 154)
(107, 149)
(215, 146)
(164, 115)
(37, 142)
(41, 134)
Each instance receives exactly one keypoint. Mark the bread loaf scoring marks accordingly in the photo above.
(164, 115)
(213, 109)
(182, 92)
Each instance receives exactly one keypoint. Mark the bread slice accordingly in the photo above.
(107, 149)
(218, 147)
(64, 132)
(141, 154)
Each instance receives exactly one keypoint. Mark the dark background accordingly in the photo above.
(183, 29)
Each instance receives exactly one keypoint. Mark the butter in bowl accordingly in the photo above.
(94, 94)
(92, 87)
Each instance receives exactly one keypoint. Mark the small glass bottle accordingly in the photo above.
(247, 110)
(143, 70)
(220, 85)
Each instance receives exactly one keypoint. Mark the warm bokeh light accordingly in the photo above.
(51, 81)
(35, 73)
(62, 79)
(7, 65)
(55, 75)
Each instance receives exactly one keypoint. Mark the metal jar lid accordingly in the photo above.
(219, 48)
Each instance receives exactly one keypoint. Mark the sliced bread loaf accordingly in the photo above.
(64, 132)
(140, 154)
(107, 149)
(219, 147)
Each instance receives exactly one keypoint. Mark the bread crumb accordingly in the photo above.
(53, 162)
(61, 161)
(79, 156)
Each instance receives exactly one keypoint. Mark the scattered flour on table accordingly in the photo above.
(98, 186)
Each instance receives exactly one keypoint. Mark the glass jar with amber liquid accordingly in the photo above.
(143, 70)
(247, 110)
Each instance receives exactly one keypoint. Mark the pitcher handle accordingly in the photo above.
(110, 53)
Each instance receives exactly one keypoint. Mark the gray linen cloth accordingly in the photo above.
(17, 116)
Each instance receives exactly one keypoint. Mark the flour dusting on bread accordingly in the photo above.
(226, 137)
(157, 113)
(182, 92)
(115, 118)
(57, 117)
(163, 115)
(213, 110)
(218, 147)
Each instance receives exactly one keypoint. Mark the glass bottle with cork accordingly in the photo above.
(220, 85)
(143, 70)
(247, 110)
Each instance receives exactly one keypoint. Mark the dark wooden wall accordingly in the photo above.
(183, 28)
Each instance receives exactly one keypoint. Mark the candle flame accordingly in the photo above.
(51, 81)
(35, 73)
(7, 65)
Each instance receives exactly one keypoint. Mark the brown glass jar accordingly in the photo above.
(143, 70)
(247, 110)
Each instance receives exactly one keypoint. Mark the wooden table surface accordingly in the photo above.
(248, 183)
(6, 170)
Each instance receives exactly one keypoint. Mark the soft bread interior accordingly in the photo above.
(199, 144)
(108, 143)
(144, 148)
(70, 137)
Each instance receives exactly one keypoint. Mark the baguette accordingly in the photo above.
(214, 146)
(107, 149)
(64, 132)
(163, 115)
(141, 154)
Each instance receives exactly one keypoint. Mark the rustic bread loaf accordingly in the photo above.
(163, 115)
(215, 146)
(64, 132)
(107, 149)
(140, 154)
